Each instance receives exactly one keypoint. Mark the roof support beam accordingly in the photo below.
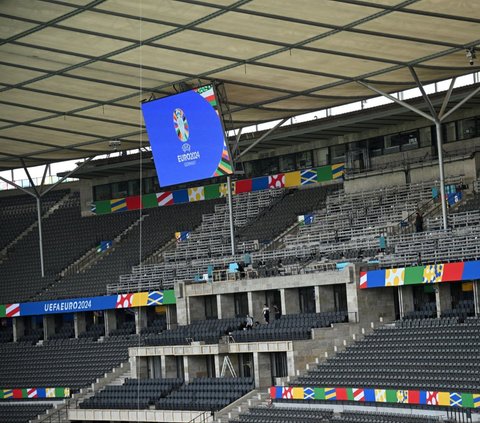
(422, 90)
(259, 140)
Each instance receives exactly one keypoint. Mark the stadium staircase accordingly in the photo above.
(59, 413)
(34, 225)
(91, 257)
(252, 399)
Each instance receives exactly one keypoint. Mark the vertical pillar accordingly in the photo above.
(443, 297)
(262, 369)
(476, 297)
(225, 306)
(196, 308)
(438, 127)
(140, 319)
(110, 321)
(186, 374)
(290, 301)
(405, 300)
(48, 326)
(230, 213)
(171, 317)
(256, 299)
(79, 323)
(169, 366)
(218, 363)
(324, 300)
(139, 367)
(40, 235)
(18, 328)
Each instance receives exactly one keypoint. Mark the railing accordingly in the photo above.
(25, 183)
(205, 417)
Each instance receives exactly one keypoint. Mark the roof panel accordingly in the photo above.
(46, 101)
(426, 27)
(209, 43)
(262, 28)
(86, 89)
(171, 11)
(321, 11)
(376, 47)
(331, 64)
(462, 8)
(10, 75)
(10, 27)
(275, 58)
(192, 64)
(35, 10)
(114, 25)
(70, 41)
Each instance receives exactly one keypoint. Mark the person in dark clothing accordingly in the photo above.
(266, 314)
(419, 223)
(277, 312)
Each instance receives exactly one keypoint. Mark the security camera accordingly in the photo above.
(471, 55)
(115, 144)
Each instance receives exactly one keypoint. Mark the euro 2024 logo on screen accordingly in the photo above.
(182, 130)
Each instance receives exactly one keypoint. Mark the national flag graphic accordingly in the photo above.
(413, 397)
(308, 177)
(395, 277)
(155, 298)
(7, 393)
(308, 393)
(358, 394)
(118, 205)
(341, 394)
(380, 395)
(476, 400)
(433, 273)
(338, 170)
(182, 236)
(164, 198)
(276, 181)
(432, 398)
(330, 394)
(17, 394)
(196, 194)
(402, 397)
(50, 392)
(13, 310)
(223, 190)
(32, 393)
(104, 246)
(455, 399)
(363, 279)
(287, 392)
(297, 393)
(124, 301)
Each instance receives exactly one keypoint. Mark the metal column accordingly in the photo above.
(40, 235)
(230, 213)
(438, 127)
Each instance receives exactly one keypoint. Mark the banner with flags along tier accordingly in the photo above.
(416, 275)
(389, 396)
(107, 302)
(211, 192)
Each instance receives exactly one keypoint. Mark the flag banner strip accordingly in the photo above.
(390, 396)
(168, 198)
(417, 275)
(106, 302)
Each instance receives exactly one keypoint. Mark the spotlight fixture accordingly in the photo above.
(471, 55)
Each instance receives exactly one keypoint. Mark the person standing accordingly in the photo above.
(266, 314)
(277, 312)
(419, 222)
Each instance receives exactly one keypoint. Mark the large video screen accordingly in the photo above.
(187, 137)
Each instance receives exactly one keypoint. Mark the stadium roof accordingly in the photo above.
(70, 70)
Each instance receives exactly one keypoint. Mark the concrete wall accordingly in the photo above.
(461, 167)
(225, 306)
(405, 299)
(324, 298)
(256, 300)
(196, 309)
(368, 183)
(443, 297)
